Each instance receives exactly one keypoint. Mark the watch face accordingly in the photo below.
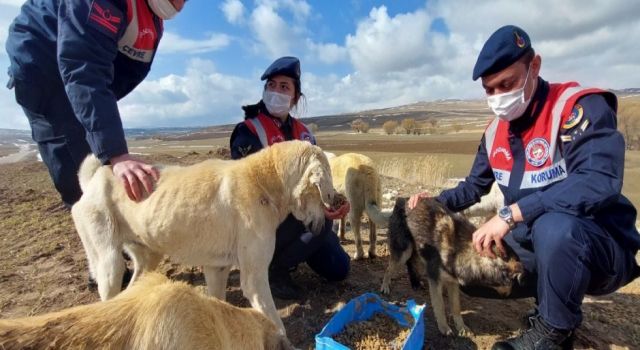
(504, 212)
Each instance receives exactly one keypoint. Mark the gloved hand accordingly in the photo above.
(338, 213)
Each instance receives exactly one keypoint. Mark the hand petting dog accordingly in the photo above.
(339, 212)
(494, 230)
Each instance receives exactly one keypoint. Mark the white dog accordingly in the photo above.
(217, 213)
(153, 314)
(355, 175)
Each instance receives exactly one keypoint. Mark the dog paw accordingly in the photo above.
(465, 332)
(372, 254)
(384, 289)
(445, 330)
(358, 255)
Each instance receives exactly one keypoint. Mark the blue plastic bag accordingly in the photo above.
(362, 308)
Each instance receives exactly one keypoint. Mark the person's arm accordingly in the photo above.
(595, 166)
(87, 46)
(243, 142)
(86, 49)
(474, 186)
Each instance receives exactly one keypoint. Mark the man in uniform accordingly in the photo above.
(558, 158)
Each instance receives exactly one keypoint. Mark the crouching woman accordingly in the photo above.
(266, 123)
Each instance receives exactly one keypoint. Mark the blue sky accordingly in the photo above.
(357, 55)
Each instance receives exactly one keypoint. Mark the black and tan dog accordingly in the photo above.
(430, 237)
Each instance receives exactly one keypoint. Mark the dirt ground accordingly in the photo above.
(43, 268)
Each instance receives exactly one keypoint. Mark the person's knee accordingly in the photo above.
(555, 229)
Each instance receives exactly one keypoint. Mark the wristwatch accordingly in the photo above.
(505, 214)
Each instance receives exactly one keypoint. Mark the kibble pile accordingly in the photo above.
(379, 332)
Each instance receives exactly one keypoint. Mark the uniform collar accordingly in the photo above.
(535, 107)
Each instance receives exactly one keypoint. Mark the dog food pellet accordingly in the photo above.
(380, 332)
(338, 201)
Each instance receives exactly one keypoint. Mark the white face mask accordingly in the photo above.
(510, 105)
(277, 104)
(163, 8)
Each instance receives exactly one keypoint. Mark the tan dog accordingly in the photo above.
(153, 314)
(217, 213)
(355, 176)
(432, 239)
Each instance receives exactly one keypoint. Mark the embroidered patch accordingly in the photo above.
(584, 125)
(537, 151)
(565, 138)
(574, 117)
(276, 139)
(244, 150)
(503, 151)
(105, 17)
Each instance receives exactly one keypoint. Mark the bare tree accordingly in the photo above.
(433, 121)
(313, 127)
(364, 127)
(390, 126)
(355, 125)
(408, 125)
(629, 122)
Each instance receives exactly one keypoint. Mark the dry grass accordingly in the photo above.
(425, 170)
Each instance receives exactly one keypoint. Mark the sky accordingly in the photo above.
(356, 55)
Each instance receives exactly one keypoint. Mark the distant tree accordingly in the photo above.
(313, 127)
(408, 125)
(355, 125)
(364, 127)
(390, 126)
(433, 121)
(457, 127)
(629, 123)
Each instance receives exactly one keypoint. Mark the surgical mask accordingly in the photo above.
(510, 105)
(277, 104)
(163, 8)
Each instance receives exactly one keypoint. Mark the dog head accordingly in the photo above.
(306, 170)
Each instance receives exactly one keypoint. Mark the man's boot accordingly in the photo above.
(282, 286)
(539, 336)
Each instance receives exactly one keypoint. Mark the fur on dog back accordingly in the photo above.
(356, 175)
(444, 240)
(154, 314)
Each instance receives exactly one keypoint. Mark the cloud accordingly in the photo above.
(12, 3)
(233, 11)
(203, 96)
(272, 33)
(174, 43)
(326, 53)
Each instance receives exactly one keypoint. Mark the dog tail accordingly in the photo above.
(373, 198)
(89, 166)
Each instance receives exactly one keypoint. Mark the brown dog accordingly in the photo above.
(430, 237)
(154, 313)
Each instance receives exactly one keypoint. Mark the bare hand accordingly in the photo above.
(135, 175)
(339, 213)
(492, 231)
(413, 200)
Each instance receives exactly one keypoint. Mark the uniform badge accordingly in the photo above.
(537, 151)
(244, 150)
(519, 40)
(565, 138)
(105, 17)
(574, 117)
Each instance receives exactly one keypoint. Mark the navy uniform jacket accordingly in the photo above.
(592, 189)
(74, 44)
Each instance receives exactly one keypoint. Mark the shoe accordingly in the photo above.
(282, 286)
(539, 336)
(531, 313)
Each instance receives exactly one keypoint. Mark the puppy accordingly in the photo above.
(154, 313)
(432, 239)
(356, 176)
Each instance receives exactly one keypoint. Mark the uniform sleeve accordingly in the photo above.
(474, 186)
(243, 142)
(595, 166)
(88, 32)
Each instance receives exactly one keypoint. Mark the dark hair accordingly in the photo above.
(528, 56)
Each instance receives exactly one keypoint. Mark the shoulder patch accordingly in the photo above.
(576, 115)
(105, 17)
